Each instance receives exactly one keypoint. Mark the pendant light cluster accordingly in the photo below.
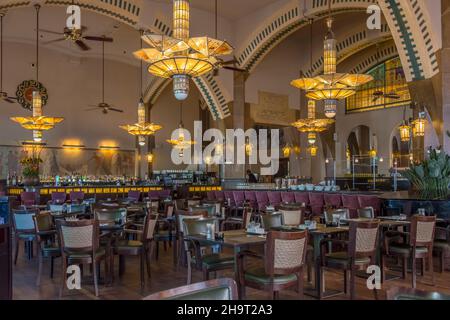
(37, 123)
(181, 57)
(414, 128)
(331, 86)
(311, 125)
(142, 128)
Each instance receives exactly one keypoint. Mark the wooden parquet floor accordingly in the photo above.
(166, 276)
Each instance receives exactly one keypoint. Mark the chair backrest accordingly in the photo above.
(229, 197)
(247, 216)
(239, 197)
(149, 226)
(261, 199)
(219, 289)
(250, 196)
(422, 230)
(219, 195)
(56, 207)
(76, 196)
(301, 197)
(366, 212)
(316, 201)
(28, 198)
(181, 215)
(363, 238)
(370, 201)
(271, 220)
(331, 215)
(274, 197)
(211, 209)
(210, 195)
(43, 221)
(23, 220)
(169, 210)
(59, 197)
(78, 236)
(292, 216)
(332, 200)
(287, 197)
(285, 252)
(196, 226)
(134, 195)
(110, 215)
(192, 203)
(180, 204)
(76, 208)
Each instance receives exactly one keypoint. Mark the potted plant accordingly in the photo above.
(431, 177)
(30, 171)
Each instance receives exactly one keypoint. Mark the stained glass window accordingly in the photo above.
(388, 89)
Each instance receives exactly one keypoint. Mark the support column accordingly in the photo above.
(445, 72)
(234, 171)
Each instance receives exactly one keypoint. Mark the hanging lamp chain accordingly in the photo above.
(2, 14)
(103, 71)
(38, 7)
(141, 32)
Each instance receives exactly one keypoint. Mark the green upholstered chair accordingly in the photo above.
(400, 293)
(196, 252)
(24, 230)
(48, 246)
(271, 220)
(282, 266)
(417, 244)
(219, 289)
(361, 252)
(442, 245)
(79, 242)
(142, 246)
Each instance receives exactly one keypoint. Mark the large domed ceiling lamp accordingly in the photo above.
(331, 86)
(142, 128)
(311, 125)
(37, 123)
(181, 57)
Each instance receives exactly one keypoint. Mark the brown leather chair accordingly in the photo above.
(361, 252)
(48, 246)
(417, 244)
(238, 223)
(284, 260)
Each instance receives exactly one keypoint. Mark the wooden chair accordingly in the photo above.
(24, 230)
(292, 216)
(271, 220)
(238, 223)
(442, 245)
(220, 289)
(284, 260)
(196, 252)
(360, 253)
(48, 246)
(418, 246)
(80, 245)
(165, 231)
(141, 247)
(401, 293)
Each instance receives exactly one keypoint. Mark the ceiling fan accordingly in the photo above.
(378, 94)
(3, 95)
(105, 107)
(76, 36)
(227, 65)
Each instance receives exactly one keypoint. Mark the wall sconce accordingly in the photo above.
(313, 151)
(109, 148)
(74, 146)
(150, 158)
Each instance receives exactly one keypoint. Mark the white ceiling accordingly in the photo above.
(229, 9)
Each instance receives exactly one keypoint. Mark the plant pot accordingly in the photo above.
(31, 181)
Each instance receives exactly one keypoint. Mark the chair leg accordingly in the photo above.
(52, 266)
(300, 285)
(414, 272)
(157, 250)
(276, 295)
(63, 276)
(345, 281)
(107, 271)
(205, 274)
(383, 266)
(352, 284)
(430, 265)
(404, 267)
(321, 279)
(94, 272)
(17, 250)
(142, 260)
(148, 254)
(441, 261)
(40, 263)
(189, 267)
(423, 267)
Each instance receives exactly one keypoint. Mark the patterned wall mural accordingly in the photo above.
(63, 162)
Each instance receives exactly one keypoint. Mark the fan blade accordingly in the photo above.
(115, 109)
(12, 98)
(50, 31)
(9, 100)
(91, 109)
(225, 63)
(83, 46)
(235, 69)
(98, 39)
(53, 41)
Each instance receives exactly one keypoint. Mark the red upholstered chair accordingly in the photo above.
(302, 197)
(351, 203)
(333, 200)
(153, 195)
(274, 198)
(262, 199)
(287, 197)
(28, 198)
(239, 198)
(134, 195)
(219, 195)
(164, 194)
(250, 197)
(210, 195)
(370, 201)
(58, 197)
(230, 198)
(316, 203)
(76, 196)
